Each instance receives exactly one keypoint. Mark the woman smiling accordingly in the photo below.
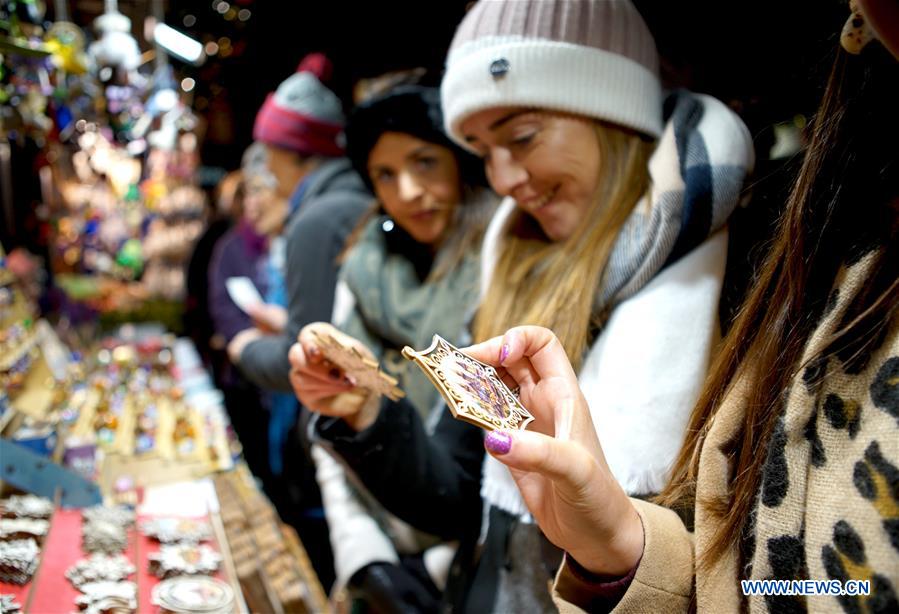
(612, 234)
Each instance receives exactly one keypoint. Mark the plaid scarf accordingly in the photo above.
(697, 172)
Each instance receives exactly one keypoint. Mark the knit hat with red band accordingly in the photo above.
(303, 115)
(595, 58)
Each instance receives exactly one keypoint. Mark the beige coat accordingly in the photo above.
(830, 503)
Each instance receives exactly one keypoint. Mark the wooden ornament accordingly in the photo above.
(354, 364)
(471, 388)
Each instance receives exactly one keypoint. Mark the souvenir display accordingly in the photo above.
(103, 536)
(100, 401)
(266, 553)
(193, 594)
(119, 412)
(183, 559)
(12, 528)
(100, 568)
(471, 388)
(18, 343)
(120, 516)
(4, 405)
(9, 605)
(18, 560)
(26, 506)
(108, 605)
(362, 369)
(104, 596)
(176, 530)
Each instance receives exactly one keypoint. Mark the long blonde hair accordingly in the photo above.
(554, 284)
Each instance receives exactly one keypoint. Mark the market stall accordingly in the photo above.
(122, 486)
(141, 493)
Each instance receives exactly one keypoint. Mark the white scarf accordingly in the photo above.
(644, 372)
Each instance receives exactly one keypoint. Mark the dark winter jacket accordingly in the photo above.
(238, 253)
(396, 456)
(332, 201)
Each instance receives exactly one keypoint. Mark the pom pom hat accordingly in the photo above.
(303, 115)
(594, 58)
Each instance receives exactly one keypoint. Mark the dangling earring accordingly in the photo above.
(856, 32)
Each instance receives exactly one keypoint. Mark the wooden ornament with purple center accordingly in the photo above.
(471, 388)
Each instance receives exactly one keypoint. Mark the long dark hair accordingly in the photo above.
(843, 205)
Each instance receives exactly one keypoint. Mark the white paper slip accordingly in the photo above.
(243, 292)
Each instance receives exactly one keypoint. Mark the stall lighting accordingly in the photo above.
(165, 100)
(187, 84)
(178, 44)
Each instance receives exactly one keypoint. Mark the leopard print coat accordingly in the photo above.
(829, 503)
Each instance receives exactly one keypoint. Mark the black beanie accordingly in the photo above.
(409, 109)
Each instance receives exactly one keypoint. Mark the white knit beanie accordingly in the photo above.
(594, 58)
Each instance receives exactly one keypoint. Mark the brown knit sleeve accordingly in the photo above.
(663, 580)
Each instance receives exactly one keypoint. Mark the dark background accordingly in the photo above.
(766, 59)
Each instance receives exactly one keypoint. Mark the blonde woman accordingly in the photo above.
(611, 235)
(790, 470)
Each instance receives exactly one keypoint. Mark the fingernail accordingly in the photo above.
(498, 442)
(503, 353)
(334, 373)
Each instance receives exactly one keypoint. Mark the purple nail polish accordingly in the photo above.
(498, 442)
(503, 353)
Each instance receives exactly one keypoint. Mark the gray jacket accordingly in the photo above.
(331, 206)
